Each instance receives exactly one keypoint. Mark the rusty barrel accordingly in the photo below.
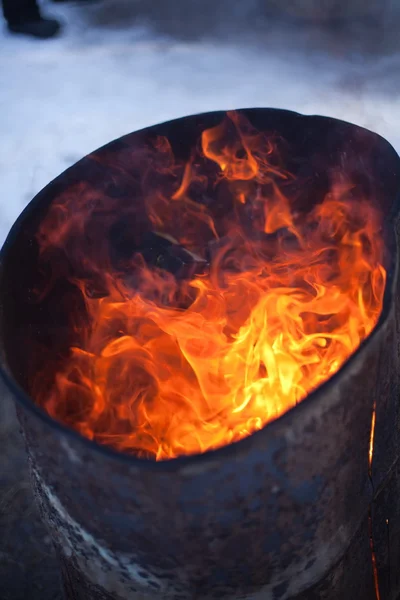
(292, 512)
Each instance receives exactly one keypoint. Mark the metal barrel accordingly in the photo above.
(293, 511)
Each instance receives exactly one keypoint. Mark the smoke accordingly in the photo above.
(354, 23)
(127, 64)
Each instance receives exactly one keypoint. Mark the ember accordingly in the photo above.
(222, 317)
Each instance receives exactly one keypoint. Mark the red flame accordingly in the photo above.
(372, 439)
(373, 557)
(276, 301)
(370, 527)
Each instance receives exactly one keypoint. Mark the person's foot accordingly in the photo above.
(74, 1)
(38, 28)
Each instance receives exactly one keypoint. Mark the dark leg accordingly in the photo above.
(23, 17)
(20, 11)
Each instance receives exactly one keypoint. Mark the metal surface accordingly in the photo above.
(282, 514)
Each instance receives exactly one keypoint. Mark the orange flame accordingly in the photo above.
(170, 366)
(370, 524)
(372, 439)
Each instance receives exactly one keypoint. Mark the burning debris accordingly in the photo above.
(222, 316)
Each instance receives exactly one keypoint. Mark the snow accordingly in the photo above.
(62, 98)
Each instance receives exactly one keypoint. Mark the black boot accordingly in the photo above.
(75, 1)
(38, 28)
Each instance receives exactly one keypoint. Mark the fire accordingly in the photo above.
(238, 305)
(372, 440)
(375, 573)
(370, 523)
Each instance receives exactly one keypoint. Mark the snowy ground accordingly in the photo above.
(62, 98)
